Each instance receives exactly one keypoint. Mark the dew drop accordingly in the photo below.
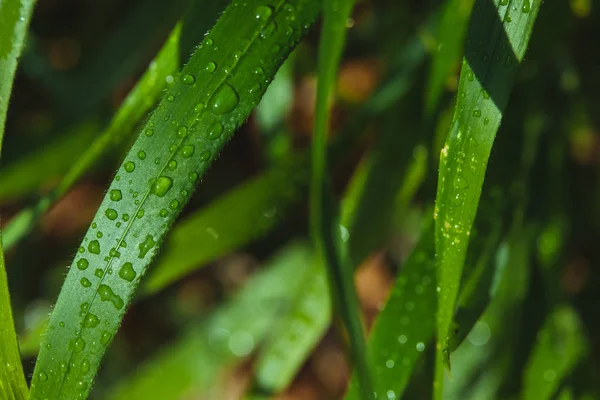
(90, 321)
(470, 76)
(125, 217)
(193, 176)
(420, 346)
(141, 154)
(209, 42)
(94, 247)
(174, 205)
(140, 213)
(111, 214)
(526, 7)
(129, 166)
(78, 345)
(146, 246)
(99, 235)
(115, 195)
(161, 186)
(215, 131)
(187, 151)
(477, 113)
(149, 132)
(81, 249)
(205, 156)
(182, 131)
(224, 100)
(486, 121)
(85, 366)
(99, 273)
(210, 67)
(163, 213)
(188, 79)
(170, 98)
(172, 165)
(85, 282)
(105, 338)
(127, 272)
(106, 294)
(263, 12)
(42, 376)
(82, 264)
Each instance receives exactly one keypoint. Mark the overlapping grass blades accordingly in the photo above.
(496, 43)
(14, 20)
(203, 106)
(139, 101)
(325, 228)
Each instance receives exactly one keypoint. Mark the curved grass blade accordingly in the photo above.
(406, 325)
(12, 378)
(192, 363)
(560, 345)
(249, 204)
(212, 96)
(450, 37)
(243, 214)
(138, 102)
(489, 67)
(324, 224)
(14, 20)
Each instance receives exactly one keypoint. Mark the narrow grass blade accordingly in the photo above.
(325, 228)
(14, 20)
(12, 378)
(192, 363)
(293, 337)
(499, 37)
(405, 327)
(138, 102)
(560, 345)
(212, 96)
(241, 215)
(450, 37)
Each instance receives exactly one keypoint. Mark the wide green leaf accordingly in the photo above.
(214, 93)
(497, 40)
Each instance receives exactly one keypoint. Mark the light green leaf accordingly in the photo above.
(560, 345)
(191, 364)
(499, 35)
(212, 96)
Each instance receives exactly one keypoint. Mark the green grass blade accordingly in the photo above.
(325, 228)
(138, 102)
(12, 378)
(450, 38)
(294, 336)
(212, 96)
(405, 327)
(14, 20)
(560, 345)
(193, 362)
(236, 218)
(487, 75)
